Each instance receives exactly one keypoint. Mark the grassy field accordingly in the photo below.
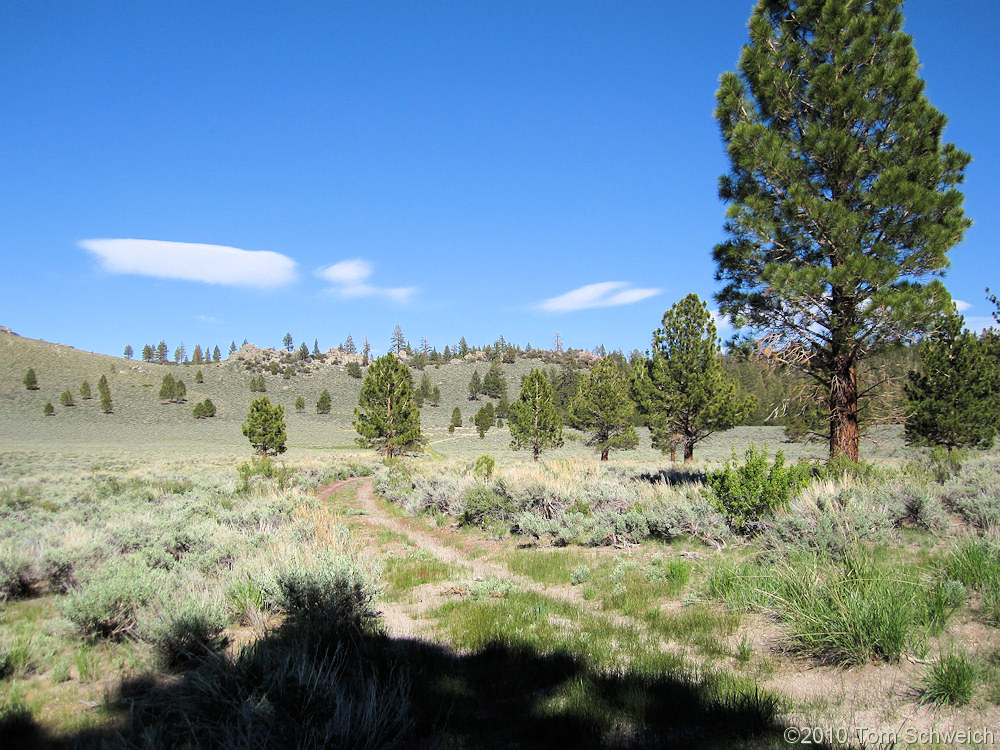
(157, 589)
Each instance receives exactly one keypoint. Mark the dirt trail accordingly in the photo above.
(404, 620)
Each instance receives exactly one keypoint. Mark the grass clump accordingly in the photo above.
(261, 473)
(952, 680)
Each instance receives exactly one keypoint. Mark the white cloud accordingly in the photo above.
(961, 305)
(192, 261)
(349, 278)
(207, 319)
(605, 294)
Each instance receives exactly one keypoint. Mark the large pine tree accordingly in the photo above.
(265, 426)
(684, 392)
(602, 407)
(843, 198)
(387, 417)
(534, 422)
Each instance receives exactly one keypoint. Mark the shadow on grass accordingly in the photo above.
(673, 477)
(304, 686)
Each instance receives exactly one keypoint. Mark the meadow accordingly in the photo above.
(161, 589)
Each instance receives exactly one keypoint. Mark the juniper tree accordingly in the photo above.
(425, 386)
(494, 383)
(843, 199)
(85, 391)
(456, 419)
(475, 386)
(105, 393)
(602, 407)
(354, 369)
(435, 397)
(952, 399)
(208, 407)
(198, 377)
(48, 410)
(180, 391)
(66, 398)
(484, 419)
(168, 388)
(323, 403)
(387, 417)
(300, 404)
(265, 426)
(30, 380)
(534, 421)
(682, 389)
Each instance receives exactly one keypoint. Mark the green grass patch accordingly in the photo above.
(545, 566)
(416, 568)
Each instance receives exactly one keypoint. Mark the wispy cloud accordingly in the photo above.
(605, 294)
(962, 305)
(350, 281)
(207, 319)
(192, 261)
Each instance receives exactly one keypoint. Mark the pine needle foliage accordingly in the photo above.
(843, 199)
(534, 422)
(602, 407)
(387, 417)
(265, 427)
(952, 399)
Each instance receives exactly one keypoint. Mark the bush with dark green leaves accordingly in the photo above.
(486, 508)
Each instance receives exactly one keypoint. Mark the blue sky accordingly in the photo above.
(460, 169)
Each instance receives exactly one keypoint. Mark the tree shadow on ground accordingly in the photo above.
(305, 686)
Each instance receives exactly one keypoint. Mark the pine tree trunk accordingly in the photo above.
(536, 451)
(604, 454)
(688, 450)
(844, 432)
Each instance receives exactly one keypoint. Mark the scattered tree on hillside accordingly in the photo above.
(198, 377)
(398, 340)
(475, 386)
(484, 419)
(842, 196)
(265, 427)
(168, 388)
(494, 383)
(300, 405)
(196, 356)
(204, 409)
(435, 397)
(48, 410)
(289, 342)
(354, 369)
(180, 391)
(603, 408)
(456, 419)
(303, 351)
(315, 347)
(180, 354)
(258, 384)
(534, 421)
(387, 417)
(216, 354)
(348, 346)
(85, 391)
(463, 347)
(232, 348)
(104, 390)
(129, 351)
(66, 398)
(161, 352)
(425, 386)
(30, 380)
(683, 391)
(147, 353)
(952, 399)
(323, 403)
(366, 352)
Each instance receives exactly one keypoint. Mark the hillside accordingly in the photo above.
(140, 422)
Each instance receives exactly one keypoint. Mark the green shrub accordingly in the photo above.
(253, 472)
(18, 577)
(484, 467)
(580, 574)
(329, 591)
(748, 493)
(952, 680)
(484, 507)
(246, 599)
(188, 633)
(108, 605)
